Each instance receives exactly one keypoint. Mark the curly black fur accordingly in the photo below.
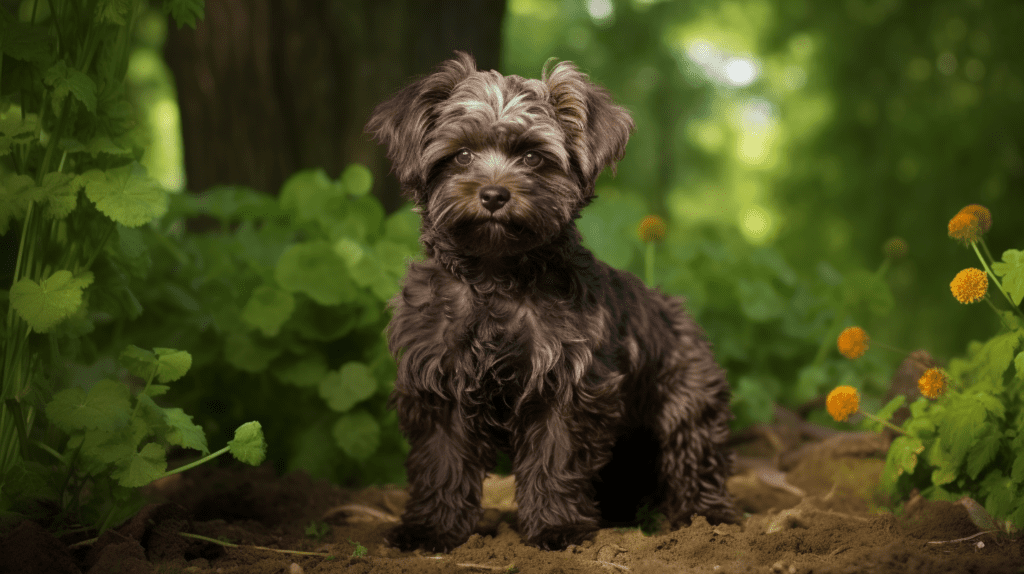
(511, 336)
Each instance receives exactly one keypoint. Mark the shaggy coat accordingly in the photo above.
(510, 336)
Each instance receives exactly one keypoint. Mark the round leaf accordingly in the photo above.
(348, 386)
(357, 434)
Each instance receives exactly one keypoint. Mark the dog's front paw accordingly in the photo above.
(412, 536)
(558, 537)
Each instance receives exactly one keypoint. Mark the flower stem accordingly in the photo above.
(882, 422)
(995, 279)
(649, 264)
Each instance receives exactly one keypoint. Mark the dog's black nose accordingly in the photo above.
(494, 197)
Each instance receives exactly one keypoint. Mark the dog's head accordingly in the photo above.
(500, 164)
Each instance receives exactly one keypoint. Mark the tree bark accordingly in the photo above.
(271, 87)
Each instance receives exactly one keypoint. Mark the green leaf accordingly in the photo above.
(65, 80)
(24, 41)
(139, 362)
(172, 364)
(126, 194)
(105, 407)
(1011, 269)
(962, 430)
(983, 452)
(142, 468)
(185, 433)
(306, 193)
(1018, 365)
(306, 372)
(903, 454)
(268, 309)
(185, 12)
(113, 11)
(357, 434)
(357, 179)
(348, 386)
(16, 131)
(16, 193)
(60, 192)
(248, 445)
(44, 305)
(247, 354)
(316, 270)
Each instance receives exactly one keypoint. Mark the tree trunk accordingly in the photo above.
(271, 87)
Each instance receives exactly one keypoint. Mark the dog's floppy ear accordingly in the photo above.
(402, 122)
(596, 129)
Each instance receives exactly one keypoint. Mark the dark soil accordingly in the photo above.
(813, 510)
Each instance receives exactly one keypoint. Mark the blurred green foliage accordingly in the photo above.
(282, 306)
(821, 128)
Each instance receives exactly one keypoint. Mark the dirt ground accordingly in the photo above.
(810, 507)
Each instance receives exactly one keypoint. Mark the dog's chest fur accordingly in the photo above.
(484, 339)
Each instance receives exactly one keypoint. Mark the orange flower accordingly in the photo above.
(896, 247)
(842, 402)
(969, 285)
(965, 227)
(852, 342)
(982, 213)
(932, 383)
(652, 228)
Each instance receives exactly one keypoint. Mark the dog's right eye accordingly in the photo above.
(463, 157)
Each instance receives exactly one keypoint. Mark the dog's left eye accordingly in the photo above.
(531, 159)
(463, 157)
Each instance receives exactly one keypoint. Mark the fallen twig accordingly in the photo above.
(965, 538)
(232, 545)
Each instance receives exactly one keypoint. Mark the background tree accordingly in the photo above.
(268, 88)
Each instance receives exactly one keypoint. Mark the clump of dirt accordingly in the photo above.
(821, 516)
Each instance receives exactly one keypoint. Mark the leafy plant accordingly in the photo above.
(770, 325)
(318, 530)
(964, 438)
(285, 298)
(73, 190)
(360, 549)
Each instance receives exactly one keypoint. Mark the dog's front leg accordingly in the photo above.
(446, 467)
(553, 468)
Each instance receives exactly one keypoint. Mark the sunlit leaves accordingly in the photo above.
(126, 194)
(44, 305)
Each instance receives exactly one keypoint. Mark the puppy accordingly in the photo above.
(510, 336)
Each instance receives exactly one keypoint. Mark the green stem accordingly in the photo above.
(882, 422)
(995, 279)
(203, 460)
(997, 312)
(649, 264)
